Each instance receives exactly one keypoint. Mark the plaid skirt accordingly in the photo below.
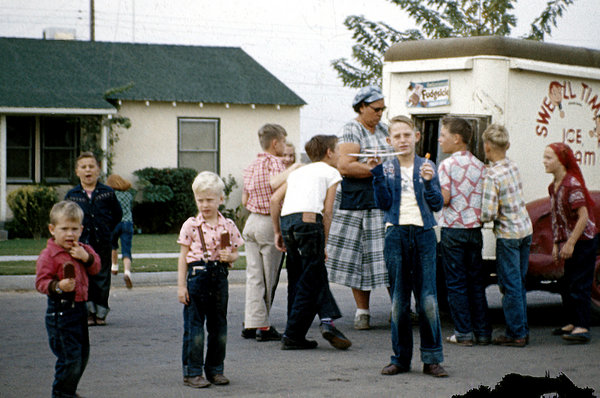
(355, 248)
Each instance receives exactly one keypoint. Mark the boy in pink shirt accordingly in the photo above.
(62, 271)
(208, 247)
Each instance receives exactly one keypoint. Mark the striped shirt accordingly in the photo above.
(503, 201)
(257, 183)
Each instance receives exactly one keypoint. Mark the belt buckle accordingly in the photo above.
(198, 268)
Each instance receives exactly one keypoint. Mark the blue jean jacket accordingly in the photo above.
(387, 183)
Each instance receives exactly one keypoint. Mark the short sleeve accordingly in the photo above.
(444, 176)
(235, 236)
(576, 195)
(334, 178)
(185, 235)
(351, 133)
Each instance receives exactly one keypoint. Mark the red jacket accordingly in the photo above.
(49, 268)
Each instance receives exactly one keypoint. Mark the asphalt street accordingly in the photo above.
(138, 354)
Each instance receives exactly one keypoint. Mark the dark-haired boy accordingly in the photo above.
(461, 179)
(102, 212)
(305, 220)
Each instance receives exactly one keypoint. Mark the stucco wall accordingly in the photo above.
(152, 139)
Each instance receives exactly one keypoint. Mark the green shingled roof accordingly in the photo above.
(78, 74)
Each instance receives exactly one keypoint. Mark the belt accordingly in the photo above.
(204, 265)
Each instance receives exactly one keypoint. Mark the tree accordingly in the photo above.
(436, 19)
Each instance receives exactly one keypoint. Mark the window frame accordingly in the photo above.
(31, 148)
(217, 139)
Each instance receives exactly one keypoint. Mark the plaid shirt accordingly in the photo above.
(257, 184)
(503, 201)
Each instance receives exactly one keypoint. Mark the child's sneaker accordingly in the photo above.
(114, 269)
(127, 279)
(361, 322)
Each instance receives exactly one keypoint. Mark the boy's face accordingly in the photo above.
(278, 146)
(551, 162)
(88, 171)
(448, 142)
(403, 138)
(333, 156)
(66, 232)
(208, 203)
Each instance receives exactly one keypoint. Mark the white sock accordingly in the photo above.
(360, 311)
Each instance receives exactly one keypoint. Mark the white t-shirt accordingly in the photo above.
(410, 214)
(307, 188)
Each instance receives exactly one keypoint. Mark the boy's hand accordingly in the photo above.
(67, 285)
(182, 295)
(79, 252)
(427, 171)
(226, 256)
(567, 250)
(279, 244)
(374, 161)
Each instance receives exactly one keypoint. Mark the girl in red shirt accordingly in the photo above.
(574, 231)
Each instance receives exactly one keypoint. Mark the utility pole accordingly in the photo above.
(92, 22)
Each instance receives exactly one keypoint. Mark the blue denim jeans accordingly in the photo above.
(208, 290)
(99, 287)
(123, 231)
(512, 260)
(410, 254)
(66, 324)
(576, 283)
(308, 286)
(461, 256)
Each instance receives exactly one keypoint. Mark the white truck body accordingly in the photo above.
(542, 93)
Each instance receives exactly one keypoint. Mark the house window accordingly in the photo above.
(59, 148)
(198, 144)
(430, 126)
(53, 141)
(20, 145)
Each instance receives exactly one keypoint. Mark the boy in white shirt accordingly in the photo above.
(305, 221)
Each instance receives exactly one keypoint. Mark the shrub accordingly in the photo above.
(238, 215)
(31, 206)
(168, 199)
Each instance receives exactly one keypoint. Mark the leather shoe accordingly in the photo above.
(249, 333)
(392, 369)
(291, 344)
(196, 382)
(506, 341)
(334, 336)
(435, 370)
(268, 335)
(218, 380)
(560, 331)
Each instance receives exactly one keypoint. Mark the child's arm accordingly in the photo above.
(90, 259)
(383, 197)
(277, 180)
(276, 200)
(432, 193)
(582, 218)
(328, 210)
(489, 200)
(46, 279)
(182, 268)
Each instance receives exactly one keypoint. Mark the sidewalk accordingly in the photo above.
(27, 282)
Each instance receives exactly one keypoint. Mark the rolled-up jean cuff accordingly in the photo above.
(101, 312)
(431, 356)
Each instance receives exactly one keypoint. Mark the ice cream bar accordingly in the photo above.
(225, 240)
(69, 270)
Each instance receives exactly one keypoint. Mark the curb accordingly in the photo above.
(27, 282)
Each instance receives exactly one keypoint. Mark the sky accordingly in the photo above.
(295, 40)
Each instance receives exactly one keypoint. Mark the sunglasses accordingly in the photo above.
(377, 110)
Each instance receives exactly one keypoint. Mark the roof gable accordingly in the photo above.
(79, 74)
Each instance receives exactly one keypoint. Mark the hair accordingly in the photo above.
(316, 148)
(118, 183)
(66, 209)
(458, 126)
(270, 132)
(403, 119)
(208, 181)
(84, 155)
(497, 136)
(565, 156)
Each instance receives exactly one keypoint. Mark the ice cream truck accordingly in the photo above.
(542, 93)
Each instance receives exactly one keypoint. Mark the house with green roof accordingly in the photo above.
(188, 106)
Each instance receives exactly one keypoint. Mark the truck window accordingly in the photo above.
(430, 125)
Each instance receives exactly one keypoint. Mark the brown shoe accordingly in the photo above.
(100, 321)
(392, 369)
(435, 370)
(218, 380)
(91, 320)
(506, 341)
(196, 382)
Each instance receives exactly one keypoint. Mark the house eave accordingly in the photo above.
(61, 111)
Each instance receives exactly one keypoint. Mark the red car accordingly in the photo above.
(543, 272)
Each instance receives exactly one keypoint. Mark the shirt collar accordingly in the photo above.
(54, 248)
(199, 220)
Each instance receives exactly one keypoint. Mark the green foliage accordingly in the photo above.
(31, 206)
(436, 19)
(168, 199)
(238, 215)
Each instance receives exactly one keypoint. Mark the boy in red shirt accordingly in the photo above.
(62, 273)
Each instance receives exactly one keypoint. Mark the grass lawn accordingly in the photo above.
(141, 244)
